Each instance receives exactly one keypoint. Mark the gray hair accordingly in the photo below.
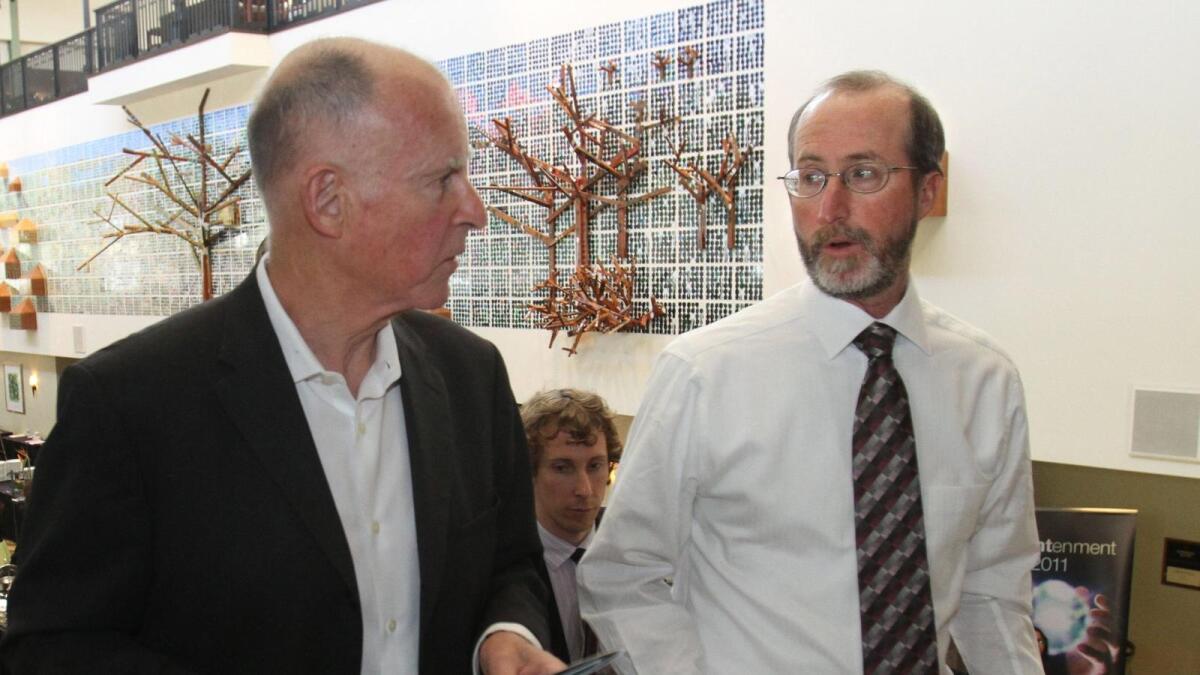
(926, 140)
(331, 82)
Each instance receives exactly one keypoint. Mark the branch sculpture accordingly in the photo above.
(595, 298)
(201, 211)
(610, 69)
(688, 60)
(603, 151)
(701, 184)
(661, 62)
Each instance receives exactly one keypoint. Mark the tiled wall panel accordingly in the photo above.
(150, 274)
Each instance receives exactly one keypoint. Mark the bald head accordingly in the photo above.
(323, 89)
(360, 151)
(925, 139)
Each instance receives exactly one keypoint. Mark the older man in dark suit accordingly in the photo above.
(301, 476)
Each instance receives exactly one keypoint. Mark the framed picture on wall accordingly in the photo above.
(14, 388)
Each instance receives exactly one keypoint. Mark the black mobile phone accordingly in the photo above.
(591, 664)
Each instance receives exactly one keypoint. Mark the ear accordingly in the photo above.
(927, 192)
(326, 201)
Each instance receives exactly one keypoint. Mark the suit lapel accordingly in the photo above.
(257, 392)
(256, 389)
(427, 418)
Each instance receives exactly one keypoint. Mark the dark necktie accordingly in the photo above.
(895, 602)
(590, 644)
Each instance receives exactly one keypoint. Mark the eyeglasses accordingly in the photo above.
(863, 178)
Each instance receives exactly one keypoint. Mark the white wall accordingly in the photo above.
(44, 21)
(39, 415)
(1069, 236)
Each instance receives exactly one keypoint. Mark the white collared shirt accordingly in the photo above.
(557, 554)
(736, 481)
(363, 446)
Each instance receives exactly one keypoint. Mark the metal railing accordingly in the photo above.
(129, 30)
(46, 75)
(284, 13)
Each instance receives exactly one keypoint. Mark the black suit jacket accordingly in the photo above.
(180, 520)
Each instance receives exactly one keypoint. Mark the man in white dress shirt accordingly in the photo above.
(573, 445)
(739, 482)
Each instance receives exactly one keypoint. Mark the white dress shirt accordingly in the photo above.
(737, 482)
(363, 446)
(557, 554)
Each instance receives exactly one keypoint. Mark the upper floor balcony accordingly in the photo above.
(129, 31)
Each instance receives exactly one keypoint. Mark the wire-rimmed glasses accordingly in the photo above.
(863, 178)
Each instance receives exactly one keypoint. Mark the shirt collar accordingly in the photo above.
(838, 322)
(558, 551)
(301, 361)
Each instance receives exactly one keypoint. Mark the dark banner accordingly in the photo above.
(1081, 589)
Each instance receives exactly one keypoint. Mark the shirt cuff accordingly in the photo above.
(496, 628)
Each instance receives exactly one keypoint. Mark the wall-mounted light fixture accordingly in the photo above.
(33, 382)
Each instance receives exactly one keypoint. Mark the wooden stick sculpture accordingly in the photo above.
(689, 179)
(701, 184)
(611, 68)
(603, 151)
(661, 62)
(201, 210)
(688, 60)
(594, 299)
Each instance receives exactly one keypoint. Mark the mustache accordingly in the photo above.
(842, 231)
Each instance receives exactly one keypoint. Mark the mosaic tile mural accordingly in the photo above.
(157, 275)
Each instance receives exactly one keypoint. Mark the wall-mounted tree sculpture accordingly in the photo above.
(604, 164)
(198, 201)
(595, 298)
(702, 184)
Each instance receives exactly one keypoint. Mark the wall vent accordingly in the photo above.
(80, 346)
(1166, 425)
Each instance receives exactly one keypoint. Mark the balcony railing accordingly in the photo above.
(129, 30)
(284, 13)
(50, 73)
(126, 30)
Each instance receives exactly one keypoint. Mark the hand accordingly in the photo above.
(1097, 653)
(506, 653)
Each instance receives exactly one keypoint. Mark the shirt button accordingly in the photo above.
(374, 527)
(391, 626)
(362, 429)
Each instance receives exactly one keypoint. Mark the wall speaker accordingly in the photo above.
(1166, 425)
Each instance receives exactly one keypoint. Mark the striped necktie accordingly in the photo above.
(895, 603)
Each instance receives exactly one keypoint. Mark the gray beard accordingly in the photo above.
(856, 279)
